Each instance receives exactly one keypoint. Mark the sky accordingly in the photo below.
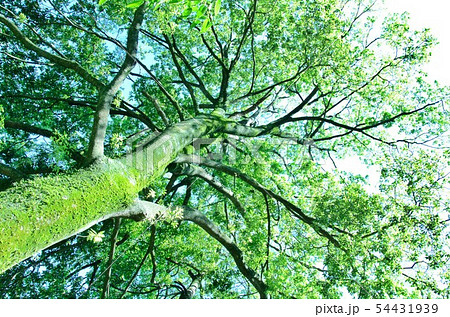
(433, 14)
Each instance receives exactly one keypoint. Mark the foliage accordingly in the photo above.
(290, 90)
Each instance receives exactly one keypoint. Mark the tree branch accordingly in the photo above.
(191, 70)
(163, 90)
(192, 289)
(106, 95)
(115, 233)
(296, 211)
(200, 172)
(288, 117)
(186, 83)
(250, 19)
(151, 245)
(51, 57)
(159, 110)
(11, 172)
(124, 111)
(202, 221)
(28, 128)
(77, 157)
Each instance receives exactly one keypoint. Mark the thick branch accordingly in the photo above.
(158, 108)
(10, 172)
(51, 57)
(106, 96)
(192, 289)
(203, 222)
(28, 128)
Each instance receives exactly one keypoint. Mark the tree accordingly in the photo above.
(194, 140)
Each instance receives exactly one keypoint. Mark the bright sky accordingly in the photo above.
(433, 14)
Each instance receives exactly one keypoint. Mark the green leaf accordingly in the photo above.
(217, 7)
(186, 12)
(100, 2)
(95, 237)
(206, 24)
(175, 1)
(195, 23)
(22, 18)
(135, 4)
(158, 5)
(202, 10)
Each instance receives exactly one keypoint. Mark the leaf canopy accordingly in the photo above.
(301, 86)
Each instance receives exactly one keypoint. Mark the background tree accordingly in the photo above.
(220, 121)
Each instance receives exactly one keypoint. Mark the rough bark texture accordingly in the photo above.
(35, 214)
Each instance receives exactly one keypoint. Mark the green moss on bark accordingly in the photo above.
(35, 214)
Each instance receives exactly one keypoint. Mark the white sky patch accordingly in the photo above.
(354, 165)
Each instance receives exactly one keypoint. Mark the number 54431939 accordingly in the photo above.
(407, 308)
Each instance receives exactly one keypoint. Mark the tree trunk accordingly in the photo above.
(35, 214)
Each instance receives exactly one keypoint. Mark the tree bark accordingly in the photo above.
(37, 213)
(106, 95)
(10, 172)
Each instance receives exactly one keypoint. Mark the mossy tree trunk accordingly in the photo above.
(37, 213)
